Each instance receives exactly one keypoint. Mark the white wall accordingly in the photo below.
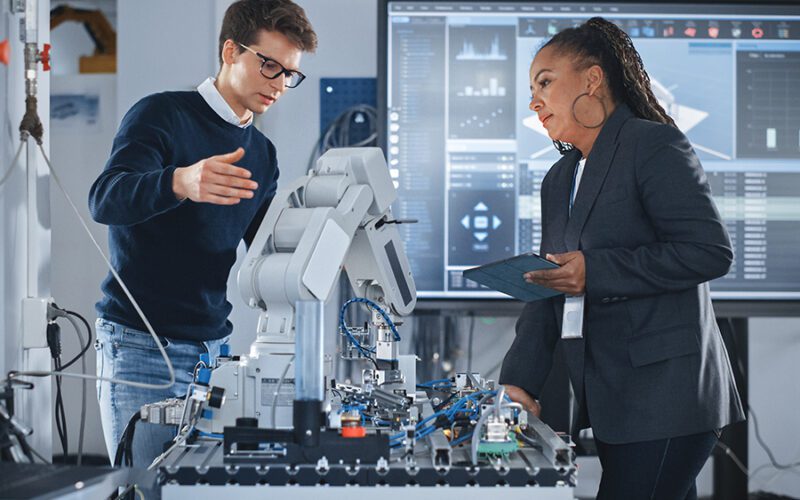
(163, 46)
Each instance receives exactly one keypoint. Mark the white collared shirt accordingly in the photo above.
(576, 183)
(579, 175)
(214, 99)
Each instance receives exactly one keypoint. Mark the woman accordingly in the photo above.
(627, 214)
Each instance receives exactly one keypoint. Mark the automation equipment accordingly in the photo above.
(253, 420)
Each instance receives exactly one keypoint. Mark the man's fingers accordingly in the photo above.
(231, 157)
(228, 169)
(230, 181)
(220, 200)
(216, 189)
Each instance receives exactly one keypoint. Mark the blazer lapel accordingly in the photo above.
(558, 206)
(594, 175)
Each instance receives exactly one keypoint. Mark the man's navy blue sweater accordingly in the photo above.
(175, 256)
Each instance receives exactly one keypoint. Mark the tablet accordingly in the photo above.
(506, 276)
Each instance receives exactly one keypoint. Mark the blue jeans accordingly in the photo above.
(128, 354)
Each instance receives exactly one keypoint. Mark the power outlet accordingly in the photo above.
(34, 322)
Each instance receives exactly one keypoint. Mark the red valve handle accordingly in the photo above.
(4, 52)
(44, 55)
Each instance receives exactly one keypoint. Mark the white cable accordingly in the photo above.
(498, 399)
(278, 390)
(728, 451)
(476, 433)
(13, 163)
(127, 293)
(83, 387)
(777, 473)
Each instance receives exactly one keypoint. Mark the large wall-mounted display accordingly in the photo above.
(468, 156)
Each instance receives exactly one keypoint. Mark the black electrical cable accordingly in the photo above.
(529, 440)
(89, 339)
(55, 350)
(125, 446)
(444, 403)
(28, 449)
(60, 413)
(337, 133)
(63, 419)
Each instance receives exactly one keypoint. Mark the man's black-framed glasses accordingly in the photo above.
(272, 69)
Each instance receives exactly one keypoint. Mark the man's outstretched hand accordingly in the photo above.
(214, 180)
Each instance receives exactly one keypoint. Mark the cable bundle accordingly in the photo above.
(125, 447)
(337, 134)
(54, 342)
(463, 411)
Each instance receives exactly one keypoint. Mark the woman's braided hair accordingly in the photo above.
(601, 42)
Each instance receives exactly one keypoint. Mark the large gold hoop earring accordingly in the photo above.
(605, 112)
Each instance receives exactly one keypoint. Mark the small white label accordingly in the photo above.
(270, 385)
(572, 322)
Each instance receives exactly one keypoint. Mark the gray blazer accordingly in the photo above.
(652, 363)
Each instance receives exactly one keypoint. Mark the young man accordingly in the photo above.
(189, 177)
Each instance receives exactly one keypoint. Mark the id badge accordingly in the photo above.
(572, 322)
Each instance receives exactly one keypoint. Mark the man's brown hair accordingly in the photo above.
(245, 18)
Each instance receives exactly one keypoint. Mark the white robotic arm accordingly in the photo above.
(337, 216)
